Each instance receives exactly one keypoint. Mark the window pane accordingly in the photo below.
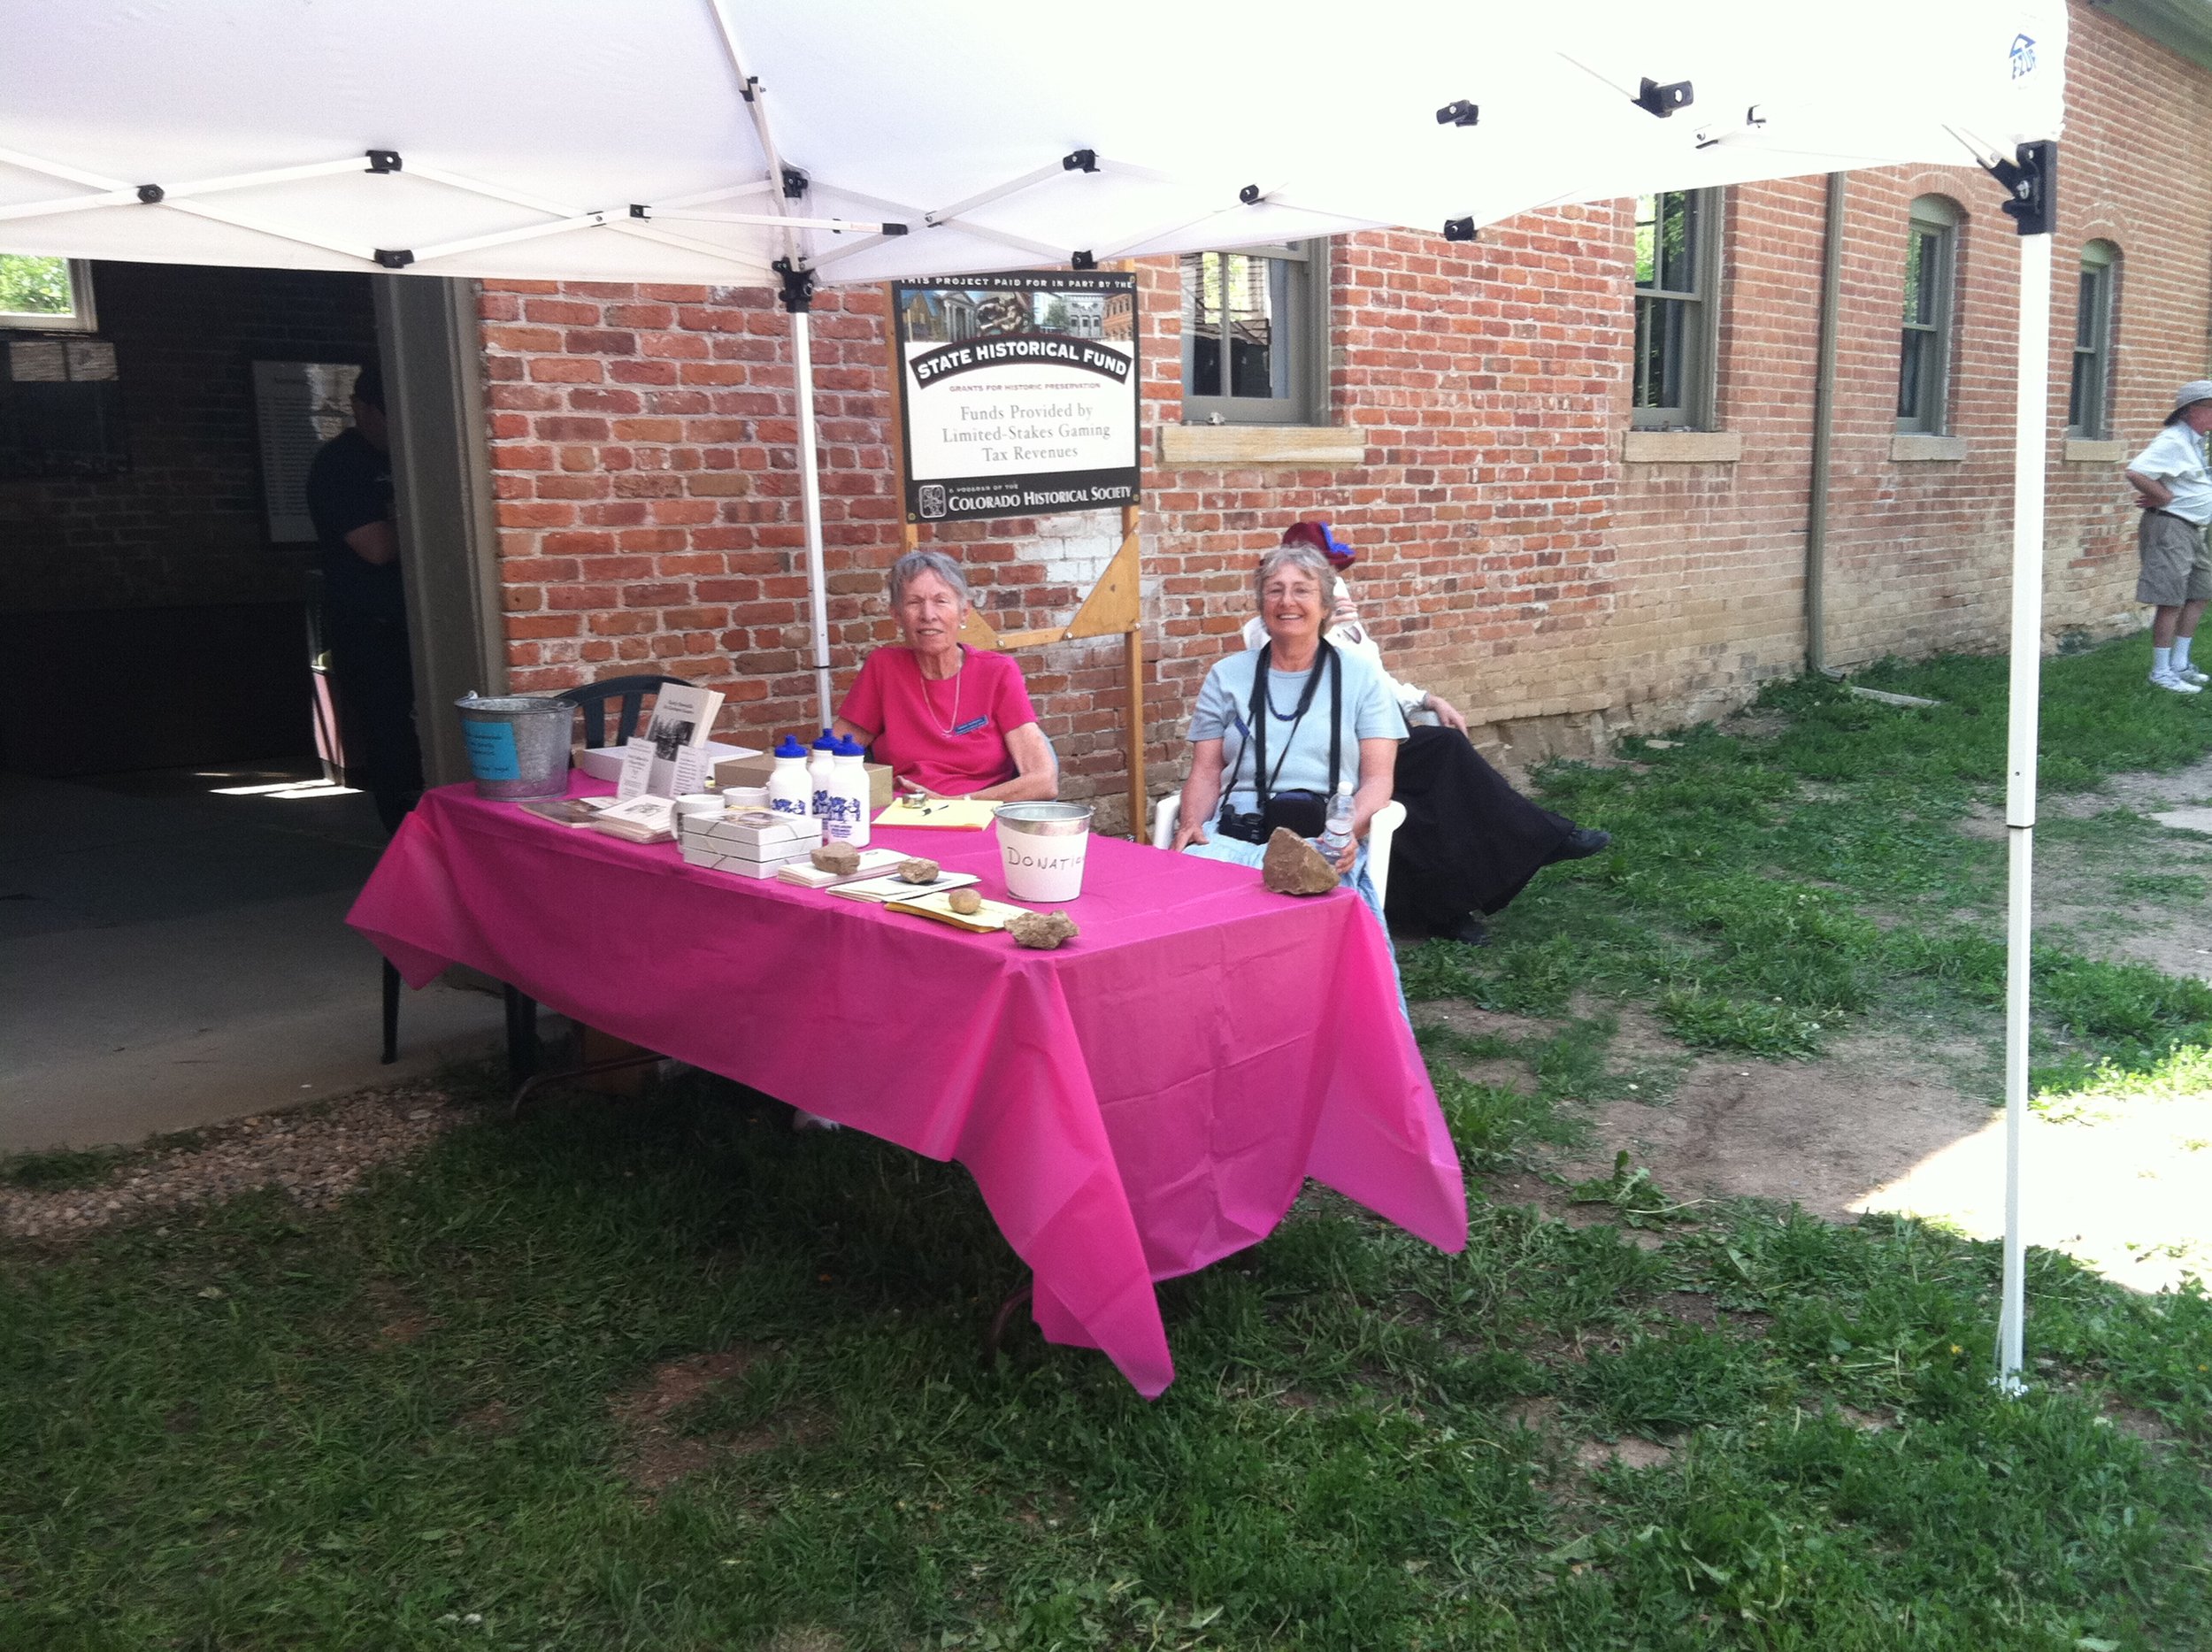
(2077, 399)
(1915, 277)
(1202, 323)
(35, 287)
(2086, 308)
(1909, 371)
(1254, 296)
(1666, 243)
(1662, 356)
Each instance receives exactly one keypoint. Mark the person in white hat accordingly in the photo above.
(2173, 485)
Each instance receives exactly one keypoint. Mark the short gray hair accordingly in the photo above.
(915, 562)
(1297, 557)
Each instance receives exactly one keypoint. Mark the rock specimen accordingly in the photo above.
(918, 870)
(840, 858)
(1044, 931)
(965, 902)
(1294, 866)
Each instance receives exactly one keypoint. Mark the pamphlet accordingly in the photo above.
(640, 819)
(637, 770)
(568, 811)
(992, 915)
(958, 814)
(880, 890)
(873, 864)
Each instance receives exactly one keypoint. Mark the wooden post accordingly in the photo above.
(1133, 649)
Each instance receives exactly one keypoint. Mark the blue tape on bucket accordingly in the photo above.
(492, 751)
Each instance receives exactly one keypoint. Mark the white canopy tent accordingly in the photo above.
(856, 141)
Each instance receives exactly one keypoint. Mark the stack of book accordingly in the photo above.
(756, 843)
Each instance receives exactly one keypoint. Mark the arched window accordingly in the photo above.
(1924, 361)
(2089, 401)
(1677, 278)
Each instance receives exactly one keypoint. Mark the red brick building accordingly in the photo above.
(1555, 534)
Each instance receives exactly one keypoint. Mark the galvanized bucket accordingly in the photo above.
(517, 744)
(1041, 848)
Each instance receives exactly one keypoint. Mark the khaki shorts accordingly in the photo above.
(2177, 567)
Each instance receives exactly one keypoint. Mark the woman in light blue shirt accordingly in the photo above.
(1315, 697)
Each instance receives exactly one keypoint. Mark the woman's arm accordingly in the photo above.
(1201, 793)
(1378, 779)
(853, 731)
(1037, 771)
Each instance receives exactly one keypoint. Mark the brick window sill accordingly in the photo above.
(2081, 452)
(1926, 449)
(1332, 445)
(1682, 447)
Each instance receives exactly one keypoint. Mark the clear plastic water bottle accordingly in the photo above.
(1336, 833)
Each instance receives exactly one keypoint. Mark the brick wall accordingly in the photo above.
(184, 525)
(1512, 559)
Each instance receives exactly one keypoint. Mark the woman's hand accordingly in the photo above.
(1345, 862)
(1446, 713)
(1187, 833)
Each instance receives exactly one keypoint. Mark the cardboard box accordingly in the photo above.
(758, 835)
(755, 772)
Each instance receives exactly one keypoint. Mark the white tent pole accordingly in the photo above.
(2030, 458)
(810, 506)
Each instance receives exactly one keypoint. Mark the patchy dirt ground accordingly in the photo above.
(1887, 1125)
(2153, 908)
(316, 1154)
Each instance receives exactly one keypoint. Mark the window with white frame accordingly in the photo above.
(1256, 336)
(1678, 310)
(1923, 360)
(49, 295)
(2089, 399)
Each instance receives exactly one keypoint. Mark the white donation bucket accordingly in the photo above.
(1041, 847)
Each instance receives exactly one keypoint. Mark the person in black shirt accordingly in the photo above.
(365, 614)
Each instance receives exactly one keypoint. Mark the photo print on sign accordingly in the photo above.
(1019, 394)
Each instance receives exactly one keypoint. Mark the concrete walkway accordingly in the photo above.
(172, 957)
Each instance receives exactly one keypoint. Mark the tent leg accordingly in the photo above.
(811, 509)
(2030, 459)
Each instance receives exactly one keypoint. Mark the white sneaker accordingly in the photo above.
(2173, 683)
(2190, 673)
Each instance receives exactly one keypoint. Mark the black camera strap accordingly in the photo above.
(1261, 712)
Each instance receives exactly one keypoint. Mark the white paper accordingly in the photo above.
(637, 769)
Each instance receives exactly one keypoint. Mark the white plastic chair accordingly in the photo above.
(1168, 813)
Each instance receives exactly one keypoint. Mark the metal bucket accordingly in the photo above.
(517, 744)
(1041, 848)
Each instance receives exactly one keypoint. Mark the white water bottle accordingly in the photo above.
(1336, 833)
(821, 774)
(852, 795)
(789, 792)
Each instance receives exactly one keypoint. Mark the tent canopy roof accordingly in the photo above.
(527, 133)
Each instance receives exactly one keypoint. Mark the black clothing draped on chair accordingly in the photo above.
(1469, 842)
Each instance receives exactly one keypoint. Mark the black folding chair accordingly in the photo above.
(522, 1012)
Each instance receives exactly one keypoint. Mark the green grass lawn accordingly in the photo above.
(419, 1419)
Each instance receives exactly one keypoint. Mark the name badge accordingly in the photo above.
(970, 725)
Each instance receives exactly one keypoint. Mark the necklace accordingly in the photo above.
(1295, 712)
(944, 728)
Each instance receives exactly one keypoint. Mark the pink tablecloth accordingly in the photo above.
(1134, 1106)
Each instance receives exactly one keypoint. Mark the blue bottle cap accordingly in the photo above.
(828, 742)
(848, 747)
(790, 746)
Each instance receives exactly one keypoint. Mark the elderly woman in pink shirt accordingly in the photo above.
(951, 721)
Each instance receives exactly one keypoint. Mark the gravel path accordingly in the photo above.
(315, 1154)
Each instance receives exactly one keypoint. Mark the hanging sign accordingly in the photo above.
(1019, 392)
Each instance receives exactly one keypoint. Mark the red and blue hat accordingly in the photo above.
(1317, 535)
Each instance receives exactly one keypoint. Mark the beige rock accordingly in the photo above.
(1044, 931)
(1294, 866)
(964, 901)
(836, 857)
(918, 870)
